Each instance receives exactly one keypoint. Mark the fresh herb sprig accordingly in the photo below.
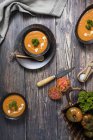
(89, 24)
(35, 42)
(88, 27)
(85, 100)
(13, 105)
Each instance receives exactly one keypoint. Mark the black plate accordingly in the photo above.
(82, 41)
(29, 63)
(13, 118)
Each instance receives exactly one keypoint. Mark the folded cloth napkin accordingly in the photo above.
(33, 7)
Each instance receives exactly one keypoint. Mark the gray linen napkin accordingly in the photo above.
(47, 7)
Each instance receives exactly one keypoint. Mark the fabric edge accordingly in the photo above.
(58, 8)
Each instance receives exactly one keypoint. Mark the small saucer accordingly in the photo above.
(30, 63)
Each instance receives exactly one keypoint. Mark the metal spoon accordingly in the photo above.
(41, 58)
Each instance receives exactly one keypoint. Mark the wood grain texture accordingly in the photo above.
(43, 121)
(12, 79)
(43, 112)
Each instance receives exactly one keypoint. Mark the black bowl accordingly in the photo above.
(36, 27)
(76, 33)
(13, 118)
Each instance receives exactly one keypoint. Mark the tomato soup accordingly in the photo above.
(36, 42)
(14, 106)
(85, 27)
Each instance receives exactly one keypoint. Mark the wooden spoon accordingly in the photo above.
(87, 71)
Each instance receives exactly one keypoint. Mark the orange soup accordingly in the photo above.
(14, 106)
(36, 42)
(85, 27)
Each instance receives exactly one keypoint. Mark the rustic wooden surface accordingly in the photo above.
(43, 121)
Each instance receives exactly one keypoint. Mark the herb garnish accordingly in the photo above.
(88, 27)
(13, 106)
(85, 100)
(35, 42)
(89, 24)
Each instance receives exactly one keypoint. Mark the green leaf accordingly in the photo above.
(85, 100)
(90, 22)
(88, 27)
(14, 105)
(35, 42)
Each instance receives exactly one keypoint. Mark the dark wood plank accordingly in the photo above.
(89, 56)
(12, 79)
(42, 117)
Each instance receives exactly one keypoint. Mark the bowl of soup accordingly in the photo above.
(36, 40)
(84, 26)
(14, 106)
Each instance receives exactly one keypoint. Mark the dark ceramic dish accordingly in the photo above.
(82, 41)
(30, 63)
(13, 118)
(36, 27)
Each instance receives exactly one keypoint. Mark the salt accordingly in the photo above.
(82, 77)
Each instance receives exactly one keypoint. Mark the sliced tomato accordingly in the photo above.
(63, 84)
(54, 93)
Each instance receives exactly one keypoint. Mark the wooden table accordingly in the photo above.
(43, 121)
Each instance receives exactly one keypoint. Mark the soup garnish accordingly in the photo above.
(13, 106)
(35, 42)
(89, 24)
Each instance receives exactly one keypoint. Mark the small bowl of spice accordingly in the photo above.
(82, 77)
